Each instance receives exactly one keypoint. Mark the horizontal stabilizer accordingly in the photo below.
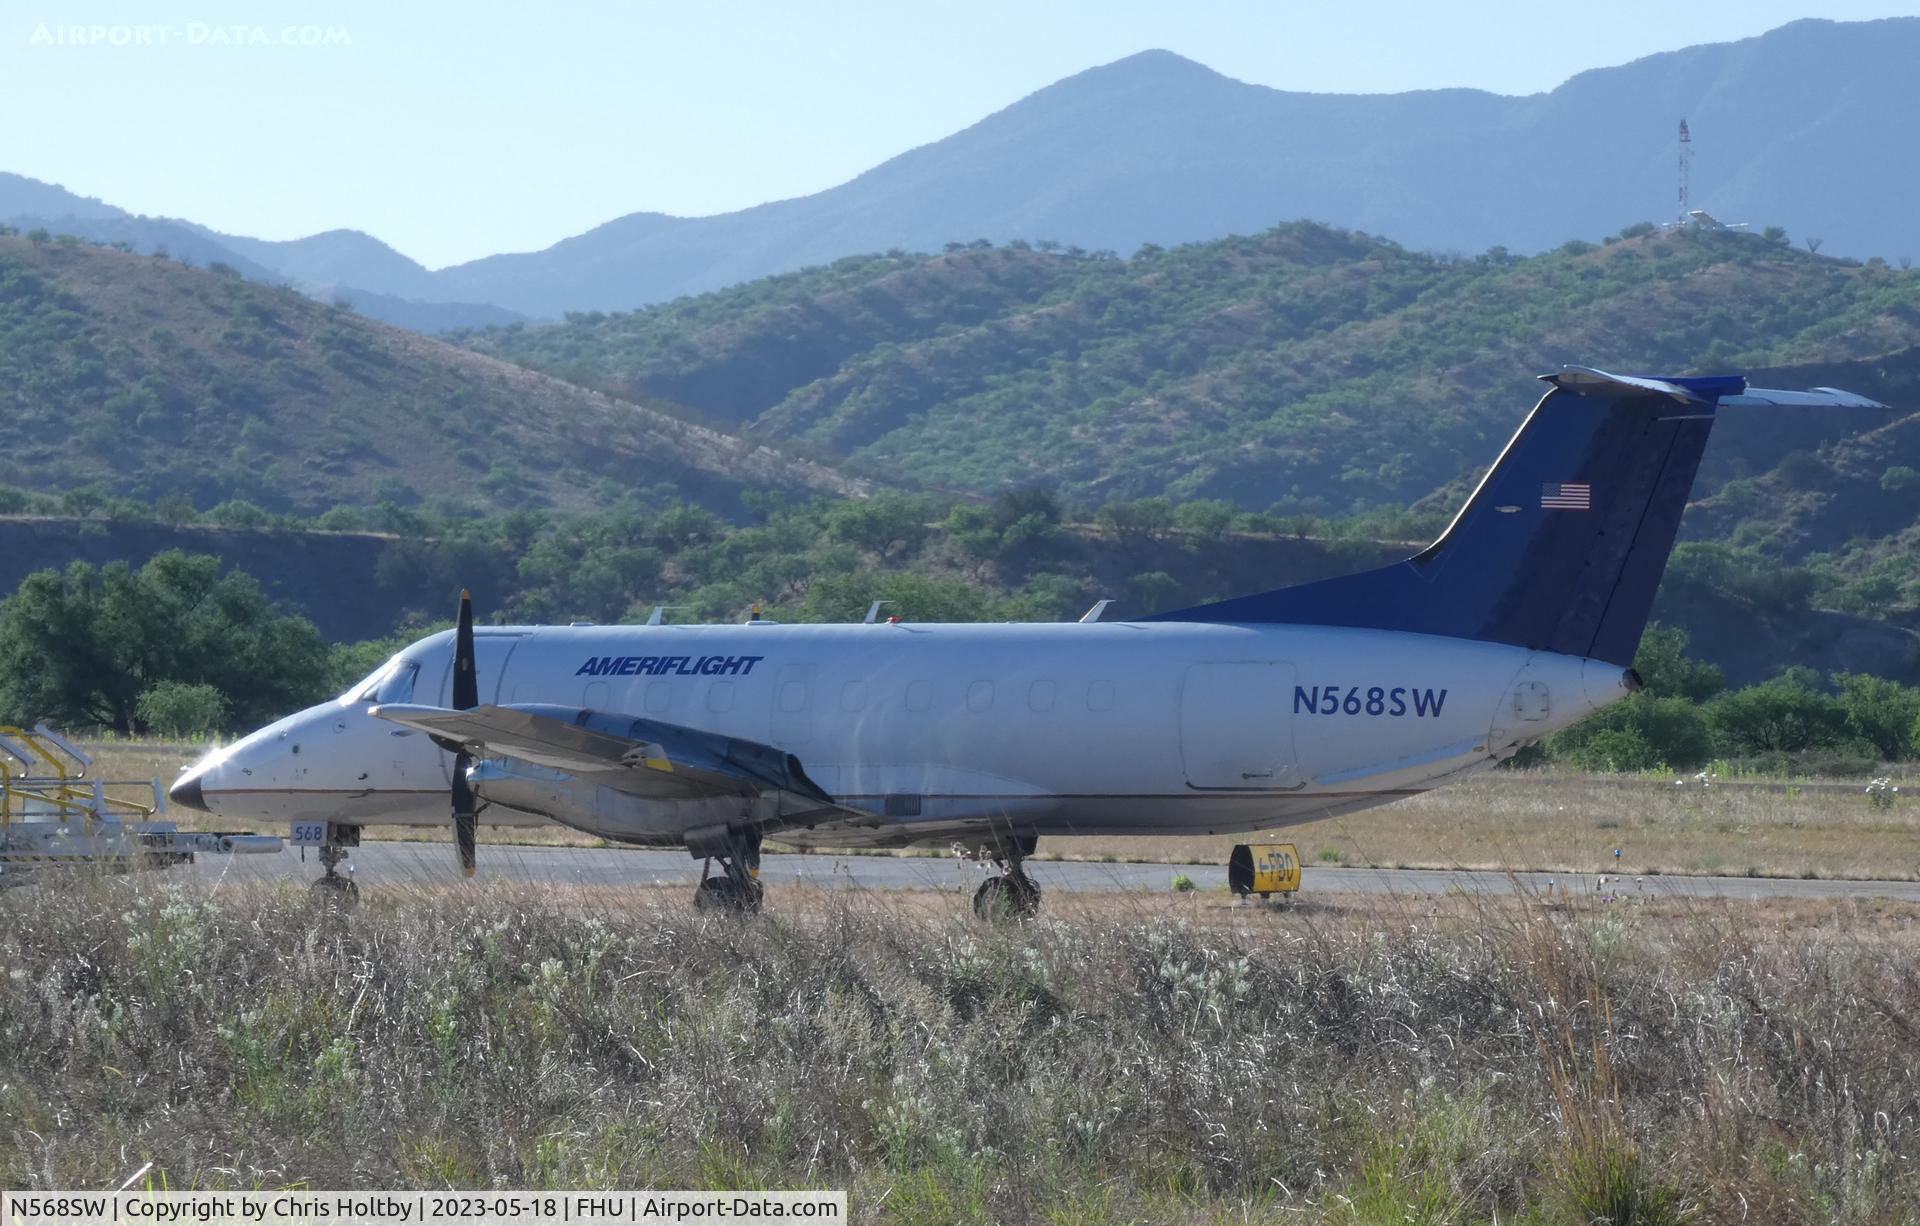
(1587, 381)
(1817, 398)
(1723, 390)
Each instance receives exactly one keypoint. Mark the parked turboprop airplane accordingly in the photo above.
(1522, 618)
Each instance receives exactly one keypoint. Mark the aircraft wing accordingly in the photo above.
(642, 757)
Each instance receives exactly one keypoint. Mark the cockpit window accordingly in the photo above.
(397, 685)
(391, 682)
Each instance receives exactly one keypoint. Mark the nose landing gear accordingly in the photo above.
(334, 888)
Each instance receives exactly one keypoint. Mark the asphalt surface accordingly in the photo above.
(400, 865)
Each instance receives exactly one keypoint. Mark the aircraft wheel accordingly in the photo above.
(1006, 898)
(725, 894)
(336, 891)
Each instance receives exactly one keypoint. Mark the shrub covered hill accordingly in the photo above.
(1319, 369)
(138, 376)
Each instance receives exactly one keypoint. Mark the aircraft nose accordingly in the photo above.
(186, 792)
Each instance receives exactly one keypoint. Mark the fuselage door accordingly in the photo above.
(1236, 727)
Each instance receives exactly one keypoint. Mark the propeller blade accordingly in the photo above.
(466, 682)
(465, 819)
(466, 696)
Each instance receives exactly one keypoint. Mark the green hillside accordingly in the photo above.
(138, 376)
(1311, 367)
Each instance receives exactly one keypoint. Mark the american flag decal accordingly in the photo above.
(1569, 496)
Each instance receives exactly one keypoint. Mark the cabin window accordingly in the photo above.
(659, 697)
(1100, 696)
(1040, 696)
(980, 696)
(793, 696)
(596, 696)
(720, 697)
(919, 695)
(853, 696)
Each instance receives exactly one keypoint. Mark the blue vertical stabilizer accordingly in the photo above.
(1562, 546)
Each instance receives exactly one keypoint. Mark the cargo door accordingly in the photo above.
(1236, 726)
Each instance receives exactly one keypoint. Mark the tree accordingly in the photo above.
(1880, 712)
(176, 710)
(884, 524)
(238, 513)
(1134, 521)
(1640, 732)
(1615, 749)
(1155, 589)
(972, 529)
(1784, 715)
(1668, 671)
(83, 645)
(1029, 503)
(1203, 521)
(1899, 479)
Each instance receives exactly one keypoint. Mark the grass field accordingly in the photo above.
(1124, 1060)
(1500, 820)
(1565, 822)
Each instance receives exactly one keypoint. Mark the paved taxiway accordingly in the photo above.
(413, 864)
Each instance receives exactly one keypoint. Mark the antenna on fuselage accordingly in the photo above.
(654, 618)
(873, 612)
(1093, 614)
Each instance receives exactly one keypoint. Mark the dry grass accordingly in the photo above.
(1573, 823)
(1499, 821)
(1124, 1060)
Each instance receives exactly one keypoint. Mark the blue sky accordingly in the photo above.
(455, 131)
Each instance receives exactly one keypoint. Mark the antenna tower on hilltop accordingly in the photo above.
(1686, 165)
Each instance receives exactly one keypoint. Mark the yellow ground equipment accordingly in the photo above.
(1264, 869)
(53, 814)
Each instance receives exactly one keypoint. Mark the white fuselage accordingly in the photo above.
(1103, 728)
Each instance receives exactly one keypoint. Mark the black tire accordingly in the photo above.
(339, 892)
(1006, 898)
(722, 894)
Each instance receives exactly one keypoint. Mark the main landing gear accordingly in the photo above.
(738, 887)
(1012, 895)
(333, 888)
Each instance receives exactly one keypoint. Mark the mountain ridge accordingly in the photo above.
(1157, 149)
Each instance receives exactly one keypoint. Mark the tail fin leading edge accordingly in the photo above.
(1562, 545)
